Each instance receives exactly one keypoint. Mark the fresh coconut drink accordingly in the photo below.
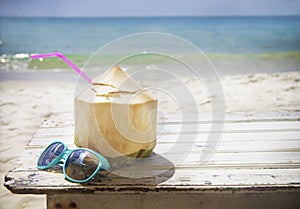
(116, 117)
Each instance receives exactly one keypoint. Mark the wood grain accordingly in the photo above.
(256, 153)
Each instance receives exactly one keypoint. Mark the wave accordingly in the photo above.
(229, 62)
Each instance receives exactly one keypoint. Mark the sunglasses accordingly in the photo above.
(79, 165)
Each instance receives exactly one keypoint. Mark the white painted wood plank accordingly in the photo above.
(163, 145)
(192, 129)
(231, 127)
(43, 141)
(233, 117)
(235, 147)
(55, 131)
(233, 137)
(234, 177)
(235, 158)
(210, 178)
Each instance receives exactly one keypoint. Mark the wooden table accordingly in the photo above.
(255, 165)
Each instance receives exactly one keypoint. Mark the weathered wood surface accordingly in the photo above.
(258, 153)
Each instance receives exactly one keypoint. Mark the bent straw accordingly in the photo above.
(61, 56)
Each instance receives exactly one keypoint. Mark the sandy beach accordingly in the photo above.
(24, 105)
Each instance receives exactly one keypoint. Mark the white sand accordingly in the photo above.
(25, 105)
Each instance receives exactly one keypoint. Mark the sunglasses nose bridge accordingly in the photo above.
(66, 154)
(64, 157)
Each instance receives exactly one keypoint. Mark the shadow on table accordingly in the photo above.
(152, 170)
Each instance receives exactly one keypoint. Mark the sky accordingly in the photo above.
(117, 8)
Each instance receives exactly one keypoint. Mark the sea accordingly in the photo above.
(256, 43)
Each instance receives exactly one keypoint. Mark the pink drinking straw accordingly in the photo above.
(61, 56)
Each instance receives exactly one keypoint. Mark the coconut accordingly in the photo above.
(116, 117)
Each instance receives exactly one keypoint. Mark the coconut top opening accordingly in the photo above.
(115, 86)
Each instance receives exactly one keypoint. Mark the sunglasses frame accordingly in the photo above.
(64, 156)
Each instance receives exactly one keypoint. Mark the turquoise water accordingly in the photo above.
(211, 34)
(235, 45)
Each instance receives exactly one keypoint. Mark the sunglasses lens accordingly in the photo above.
(81, 164)
(51, 153)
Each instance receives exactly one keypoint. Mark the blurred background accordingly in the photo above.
(240, 37)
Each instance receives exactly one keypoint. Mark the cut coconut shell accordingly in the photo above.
(116, 117)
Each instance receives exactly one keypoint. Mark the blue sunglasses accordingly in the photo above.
(79, 165)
